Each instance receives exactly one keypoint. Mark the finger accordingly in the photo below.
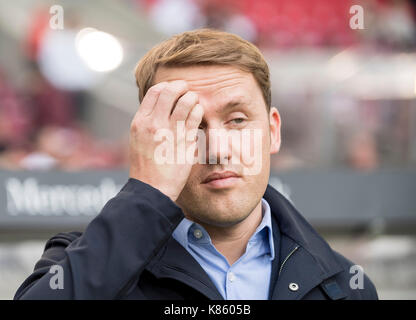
(150, 98)
(184, 106)
(195, 117)
(168, 97)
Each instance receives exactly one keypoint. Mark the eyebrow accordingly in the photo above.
(231, 105)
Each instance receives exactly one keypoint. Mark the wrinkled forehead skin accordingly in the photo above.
(217, 85)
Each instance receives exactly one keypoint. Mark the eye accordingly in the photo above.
(238, 120)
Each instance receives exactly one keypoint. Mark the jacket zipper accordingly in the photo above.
(288, 256)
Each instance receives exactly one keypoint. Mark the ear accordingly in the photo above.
(274, 123)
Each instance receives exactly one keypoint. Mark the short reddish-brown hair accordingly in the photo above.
(204, 47)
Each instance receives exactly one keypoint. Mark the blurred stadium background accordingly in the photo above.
(347, 98)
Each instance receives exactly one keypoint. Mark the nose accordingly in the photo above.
(218, 146)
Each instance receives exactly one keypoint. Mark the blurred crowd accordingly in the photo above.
(42, 123)
(295, 23)
(40, 129)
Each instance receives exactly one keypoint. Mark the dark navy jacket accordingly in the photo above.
(128, 252)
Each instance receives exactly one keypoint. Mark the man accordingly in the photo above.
(206, 228)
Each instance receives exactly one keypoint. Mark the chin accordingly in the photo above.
(223, 209)
(219, 214)
(220, 219)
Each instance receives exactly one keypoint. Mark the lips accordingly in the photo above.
(220, 175)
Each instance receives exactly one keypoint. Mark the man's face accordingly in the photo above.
(232, 100)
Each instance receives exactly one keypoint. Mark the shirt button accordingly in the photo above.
(231, 277)
(197, 233)
(293, 286)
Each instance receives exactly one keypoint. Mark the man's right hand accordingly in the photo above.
(156, 113)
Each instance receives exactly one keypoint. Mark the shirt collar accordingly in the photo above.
(264, 230)
(188, 231)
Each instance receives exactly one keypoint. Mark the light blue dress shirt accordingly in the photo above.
(249, 277)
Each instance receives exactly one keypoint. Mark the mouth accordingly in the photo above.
(218, 180)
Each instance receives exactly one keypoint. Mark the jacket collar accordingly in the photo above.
(311, 263)
(176, 263)
(306, 257)
(294, 226)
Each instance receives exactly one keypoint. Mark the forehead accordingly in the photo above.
(220, 83)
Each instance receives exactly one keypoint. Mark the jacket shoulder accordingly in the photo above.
(54, 250)
(354, 280)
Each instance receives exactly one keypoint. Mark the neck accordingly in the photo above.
(232, 241)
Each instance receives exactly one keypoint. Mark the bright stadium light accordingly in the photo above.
(99, 50)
